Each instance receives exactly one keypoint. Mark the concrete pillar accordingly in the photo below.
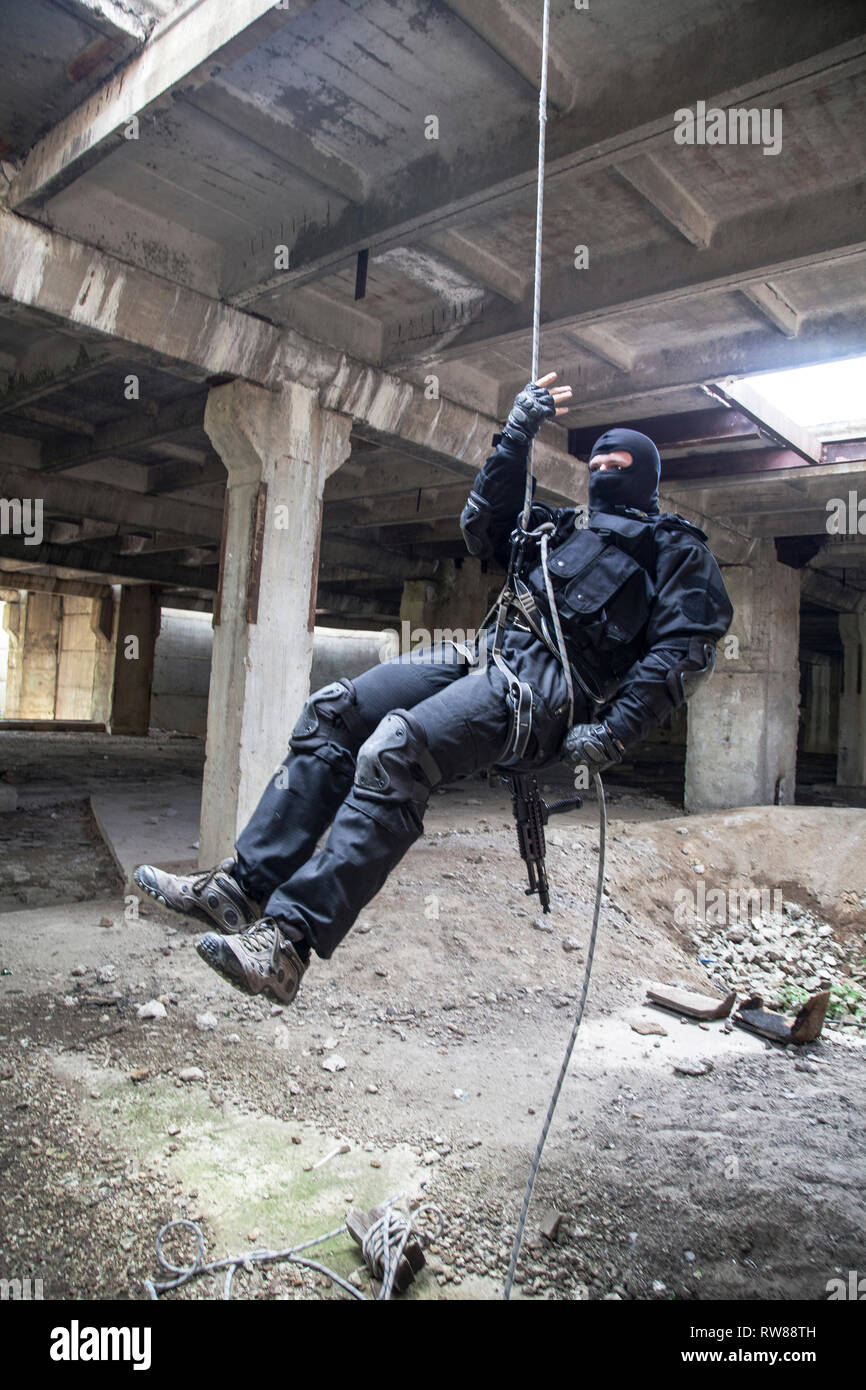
(454, 602)
(85, 662)
(819, 733)
(851, 764)
(103, 623)
(742, 725)
(137, 631)
(32, 669)
(14, 620)
(279, 448)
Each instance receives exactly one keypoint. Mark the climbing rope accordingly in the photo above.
(548, 1119)
(383, 1248)
(566, 667)
(539, 222)
(386, 1240)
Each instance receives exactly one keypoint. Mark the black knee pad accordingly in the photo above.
(395, 764)
(330, 715)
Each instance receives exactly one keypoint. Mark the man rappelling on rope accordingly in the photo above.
(607, 623)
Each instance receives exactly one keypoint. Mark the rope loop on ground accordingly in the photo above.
(385, 1243)
(382, 1249)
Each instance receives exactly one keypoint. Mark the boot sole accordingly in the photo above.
(234, 974)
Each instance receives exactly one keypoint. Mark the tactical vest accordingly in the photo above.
(604, 578)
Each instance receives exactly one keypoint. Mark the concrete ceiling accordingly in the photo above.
(192, 142)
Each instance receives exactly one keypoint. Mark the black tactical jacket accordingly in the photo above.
(634, 591)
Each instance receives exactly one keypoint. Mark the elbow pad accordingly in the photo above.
(691, 671)
(475, 522)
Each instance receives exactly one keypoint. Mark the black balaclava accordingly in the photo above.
(637, 486)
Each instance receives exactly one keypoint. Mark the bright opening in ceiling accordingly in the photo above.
(830, 400)
(827, 402)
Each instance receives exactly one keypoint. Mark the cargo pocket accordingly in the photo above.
(609, 602)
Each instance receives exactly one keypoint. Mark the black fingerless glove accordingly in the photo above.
(592, 746)
(532, 406)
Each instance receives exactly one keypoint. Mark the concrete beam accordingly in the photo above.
(724, 469)
(770, 302)
(111, 19)
(332, 602)
(792, 470)
(184, 47)
(391, 411)
(422, 505)
(116, 568)
(73, 283)
(50, 584)
(142, 426)
(658, 184)
(283, 141)
(805, 522)
(431, 193)
(71, 532)
(686, 432)
(516, 37)
(385, 472)
(468, 256)
(40, 373)
(828, 592)
(77, 498)
(841, 552)
(179, 474)
(373, 559)
(605, 393)
(596, 340)
(748, 397)
(749, 247)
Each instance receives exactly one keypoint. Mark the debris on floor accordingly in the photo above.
(805, 1027)
(683, 1001)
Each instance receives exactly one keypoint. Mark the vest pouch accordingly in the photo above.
(609, 602)
(568, 561)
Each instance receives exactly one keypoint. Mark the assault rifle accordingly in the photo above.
(531, 813)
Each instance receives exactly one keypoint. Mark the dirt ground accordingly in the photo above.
(441, 1021)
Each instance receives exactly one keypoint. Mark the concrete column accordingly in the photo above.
(454, 602)
(742, 725)
(279, 448)
(103, 623)
(14, 620)
(85, 664)
(137, 631)
(820, 694)
(32, 670)
(851, 764)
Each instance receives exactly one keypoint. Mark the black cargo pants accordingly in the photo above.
(355, 765)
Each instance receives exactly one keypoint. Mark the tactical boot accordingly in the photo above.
(213, 895)
(260, 960)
